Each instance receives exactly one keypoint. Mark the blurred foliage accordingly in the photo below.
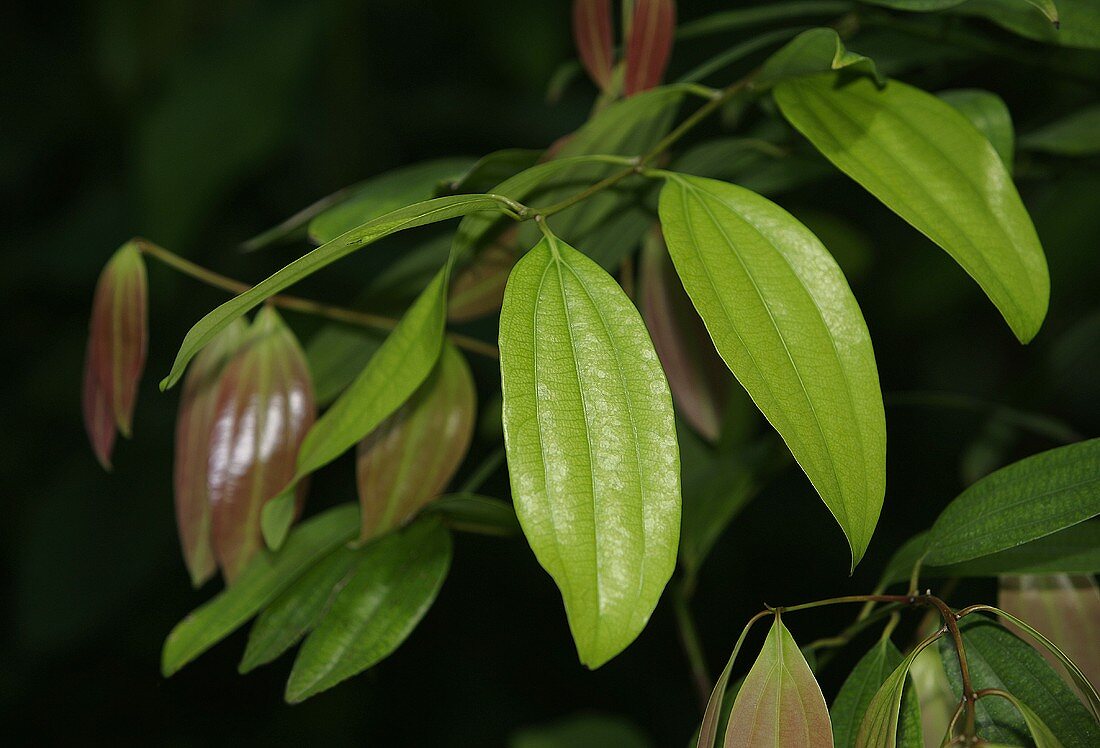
(201, 123)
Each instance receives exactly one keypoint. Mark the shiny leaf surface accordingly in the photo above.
(811, 52)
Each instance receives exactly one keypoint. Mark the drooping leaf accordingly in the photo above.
(782, 317)
(429, 211)
(260, 583)
(394, 582)
(1075, 135)
(780, 703)
(812, 52)
(336, 354)
(409, 459)
(882, 720)
(989, 114)
(594, 37)
(478, 288)
(468, 512)
(194, 425)
(296, 611)
(926, 162)
(118, 337)
(860, 687)
(998, 659)
(594, 467)
(1079, 20)
(493, 168)
(1024, 501)
(582, 731)
(933, 690)
(648, 44)
(1043, 736)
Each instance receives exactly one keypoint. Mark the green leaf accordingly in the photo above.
(812, 52)
(737, 53)
(469, 512)
(916, 5)
(998, 659)
(492, 169)
(1024, 501)
(782, 317)
(989, 114)
(882, 720)
(731, 20)
(591, 444)
(260, 583)
(582, 731)
(756, 165)
(716, 716)
(336, 354)
(395, 581)
(780, 703)
(927, 163)
(1079, 24)
(430, 211)
(860, 687)
(1075, 135)
(296, 610)
(1043, 736)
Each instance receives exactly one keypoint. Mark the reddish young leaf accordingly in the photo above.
(649, 44)
(118, 336)
(594, 38)
(412, 456)
(698, 378)
(263, 407)
(193, 441)
(478, 288)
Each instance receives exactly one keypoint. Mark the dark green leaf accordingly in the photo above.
(584, 731)
(916, 5)
(860, 687)
(1075, 135)
(989, 114)
(811, 52)
(468, 512)
(731, 20)
(594, 467)
(1079, 20)
(882, 721)
(494, 168)
(336, 354)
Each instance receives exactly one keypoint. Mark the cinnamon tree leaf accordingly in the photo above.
(394, 583)
(881, 722)
(594, 36)
(916, 5)
(860, 687)
(493, 168)
(925, 161)
(591, 444)
(780, 703)
(1075, 135)
(811, 52)
(782, 317)
(1079, 20)
(469, 512)
(1026, 500)
(648, 44)
(989, 114)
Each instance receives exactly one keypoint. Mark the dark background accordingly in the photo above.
(198, 124)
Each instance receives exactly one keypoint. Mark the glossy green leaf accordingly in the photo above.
(394, 583)
(989, 114)
(293, 613)
(998, 659)
(1079, 20)
(259, 584)
(1075, 135)
(582, 731)
(430, 211)
(860, 687)
(782, 317)
(780, 703)
(881, 722)
(812, 52)
(1024, 501)
(409, 458)
(468, 512)
(591, 444)
(927, 163)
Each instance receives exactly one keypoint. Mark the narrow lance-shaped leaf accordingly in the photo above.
(1078, 20)
(1075, 135)
(263, 407)
(194, 425)
(594, 38)
(780, 703)
(696, 375)
(811, 52)
(118, 336)
(591, 443)
(989, 114)
(411, 457)
(1024, 501)
(860, 687)
(882, 719)
(394, 583)
(925, 161)
(783, 319)
(260, 583)
(648, 44)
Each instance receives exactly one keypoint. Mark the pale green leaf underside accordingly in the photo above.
(925, 161)
(783, 319)
(591, 444)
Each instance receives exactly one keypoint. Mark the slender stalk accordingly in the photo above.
(297, 303)
(483, 471)
(693, 647)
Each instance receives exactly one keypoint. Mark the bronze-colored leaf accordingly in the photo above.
(412, 456)
(699, 380)
(193, 442)
(594, 38)
(780, 703)
(118, 337)
(649, 44)
(263, 407)
(478, 288)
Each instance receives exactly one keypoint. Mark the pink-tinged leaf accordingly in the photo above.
(649, 44)
(118, 336)
(411, 457)
(263, 407)
(594, 38)
(194, 426)
(698, 378)
(478, 288)
(1063, 607)
(780, 703)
